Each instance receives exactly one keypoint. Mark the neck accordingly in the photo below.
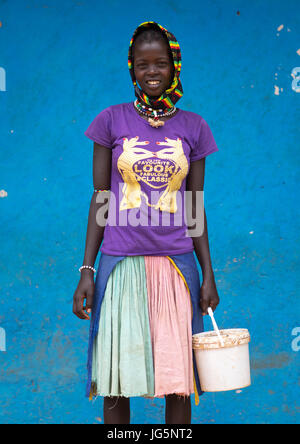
(157, 105)
(149, 108)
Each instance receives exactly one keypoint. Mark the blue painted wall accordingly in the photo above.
(65, 61)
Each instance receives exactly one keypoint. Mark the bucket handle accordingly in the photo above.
(211, 314)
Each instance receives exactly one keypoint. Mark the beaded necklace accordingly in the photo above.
(153, 115)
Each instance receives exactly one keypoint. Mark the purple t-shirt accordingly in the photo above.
(146, 213)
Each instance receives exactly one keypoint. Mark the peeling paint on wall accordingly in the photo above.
(3, 193)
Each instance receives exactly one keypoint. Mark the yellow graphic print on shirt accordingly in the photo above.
(162, 169)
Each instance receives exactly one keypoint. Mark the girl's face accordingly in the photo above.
(153, 68)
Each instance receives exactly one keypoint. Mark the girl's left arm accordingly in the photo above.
(195, 182)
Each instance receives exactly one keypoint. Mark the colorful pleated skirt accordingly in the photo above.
(142, 326)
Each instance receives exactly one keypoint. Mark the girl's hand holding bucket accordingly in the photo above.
(209, 295)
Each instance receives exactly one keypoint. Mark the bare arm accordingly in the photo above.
(94, 235)
(208, 294)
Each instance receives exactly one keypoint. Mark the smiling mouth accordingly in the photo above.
(153, 83)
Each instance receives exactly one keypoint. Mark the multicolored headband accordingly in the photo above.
(171, 95)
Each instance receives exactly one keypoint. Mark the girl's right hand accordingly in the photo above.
(84, 290)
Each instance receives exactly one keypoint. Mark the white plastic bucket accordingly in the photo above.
(223, 366)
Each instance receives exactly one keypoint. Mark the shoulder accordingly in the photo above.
(191, 117)
(195, 123)
(113, 109)
(110, 115)
(192, 122)
(102, 126)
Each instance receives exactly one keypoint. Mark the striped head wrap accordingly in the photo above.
(170, 96)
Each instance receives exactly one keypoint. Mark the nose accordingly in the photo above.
(152, 69)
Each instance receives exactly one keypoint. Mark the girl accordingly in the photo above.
(147, 300)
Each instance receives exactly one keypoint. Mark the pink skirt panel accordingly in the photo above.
(170, 313)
